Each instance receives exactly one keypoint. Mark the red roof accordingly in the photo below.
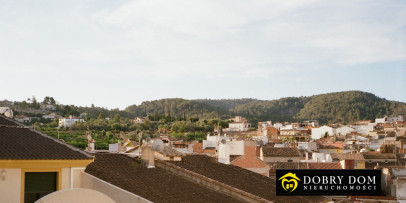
(325, 165)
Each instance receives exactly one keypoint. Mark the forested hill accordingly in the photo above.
(342, 107)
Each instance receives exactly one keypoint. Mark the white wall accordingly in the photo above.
(344, 130)
(10, 188)
(224, 154)
(317, 133)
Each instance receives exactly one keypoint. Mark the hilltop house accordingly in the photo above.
(239, 124)
(67, 122)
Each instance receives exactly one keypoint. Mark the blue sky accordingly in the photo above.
(117, 53)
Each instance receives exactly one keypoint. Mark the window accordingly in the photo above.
(39, 184)
(290, 160)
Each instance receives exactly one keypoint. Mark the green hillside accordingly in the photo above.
(338, 107)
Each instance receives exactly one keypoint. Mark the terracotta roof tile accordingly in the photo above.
(287, 165)
(378, 155)
(325, 165)
(347, 156)
(281, 152)
(25, 143)
(239, 178)
(154, 184)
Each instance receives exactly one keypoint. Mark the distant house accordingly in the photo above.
(51, 116)
(387, 119)
(67, 122)
(239, 124)
(22, 118)
(139, 120)
(242, 154)
(298, 134)
(48, 107)
(357, 159)
(280, 154)
(344, 130)
(318, 133)
(374, 159)
(331, 148)
(272, 133)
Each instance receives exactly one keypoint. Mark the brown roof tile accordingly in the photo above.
(8, 121)
(347, 156)
(325, 165)
(281, 152)
(239, 178)
(24, 143)
(154, 184)
(378, 155)
(287, 165)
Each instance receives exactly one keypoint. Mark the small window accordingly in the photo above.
(370, 161)
(290, 160)
(386, 161)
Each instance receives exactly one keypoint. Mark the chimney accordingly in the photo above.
(148, 155)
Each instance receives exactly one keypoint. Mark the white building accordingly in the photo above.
(318, 133)
(344, 130)
(139, 120)
(364, 129)
(387, 119)
(239, 124)
(67, 122)
(22, 119)
(51, 116)
(227, 148)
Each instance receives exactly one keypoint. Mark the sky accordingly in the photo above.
(117, 53)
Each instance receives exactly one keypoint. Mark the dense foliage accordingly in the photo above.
(193, 119)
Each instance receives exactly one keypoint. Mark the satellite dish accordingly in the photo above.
(158, 145)
(6, 112)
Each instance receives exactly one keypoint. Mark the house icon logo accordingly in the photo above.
(289, 182)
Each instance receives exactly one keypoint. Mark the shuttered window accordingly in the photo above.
(38, 184)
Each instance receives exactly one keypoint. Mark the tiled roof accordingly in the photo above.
(347, 156)
(154, 184)
(325, 165)
(8, 122)
(332, 146)
(287, 165)
(378, 164)
(281, 152)
(23, 143)
(234, 157)
(239, 178)
(378, 155)
(169, 152)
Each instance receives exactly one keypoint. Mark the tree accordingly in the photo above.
(116, 118)
(101, 116)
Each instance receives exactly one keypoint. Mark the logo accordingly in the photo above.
(339, 182)
(289, 182)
